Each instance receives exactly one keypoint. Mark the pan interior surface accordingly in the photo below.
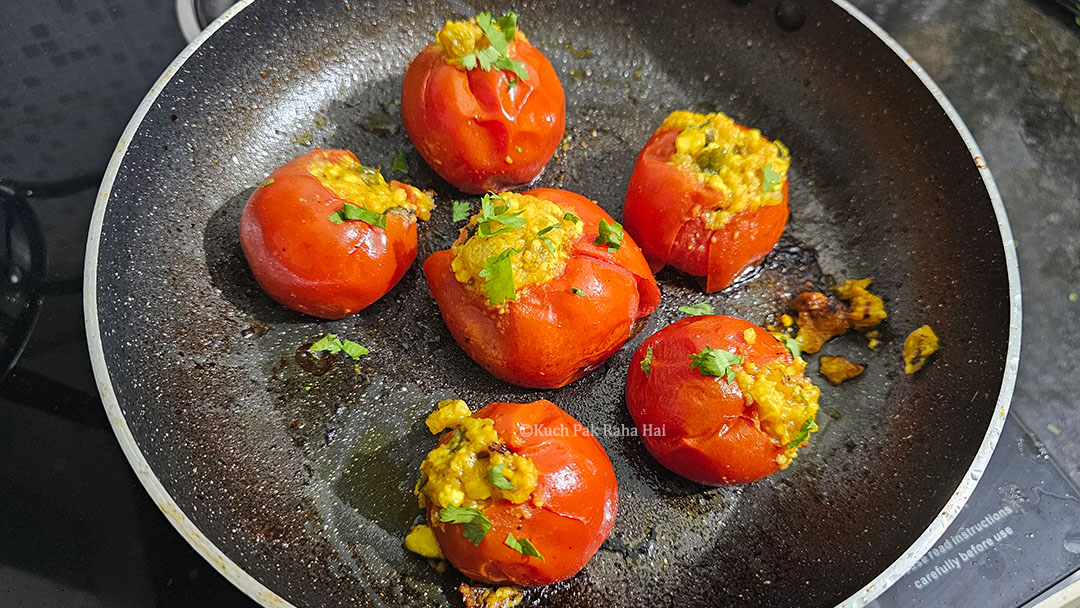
(305, 481)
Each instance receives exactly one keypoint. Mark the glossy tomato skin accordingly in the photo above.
(476, 131)
(661, 211)
(709, 434)
(310, 264)
(550, 337)
(577, 490)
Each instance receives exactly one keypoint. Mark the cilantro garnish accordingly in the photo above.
(518, 148)
(546, 240)
(523, 546)
(694, 310)
(491, 214)
(610, 235)
(330, 343)
(716, 362)
(497, 479)
(499, 34)
(477, 525)
(456, 440)
(266, 182)
(401, 165)
(804, 433)
(770, 179)
(792, 345)
(577, 292)
(355, 212)
(461, 210)
(498, 275)
(646, 363)
(571, 217)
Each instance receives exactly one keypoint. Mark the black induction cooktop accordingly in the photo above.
(76, 527)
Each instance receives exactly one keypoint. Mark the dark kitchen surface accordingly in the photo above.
(77, 529)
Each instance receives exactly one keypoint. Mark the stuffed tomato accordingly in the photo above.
(327, 236)
(514, 493)
(483, 106)
(719, 400)
(707, 196)
(541, 287)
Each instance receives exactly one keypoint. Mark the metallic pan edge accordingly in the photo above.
(264, 596)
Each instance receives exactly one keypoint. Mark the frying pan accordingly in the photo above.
(296, 486)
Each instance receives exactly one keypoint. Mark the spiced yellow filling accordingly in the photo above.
(365, 187)
(785, 399)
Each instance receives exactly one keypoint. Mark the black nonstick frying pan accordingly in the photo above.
(297, 485)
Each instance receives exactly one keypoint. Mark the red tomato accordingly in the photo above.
(476, 131)
(576, 488)
(550, 336)
(310, 264)
(661, 211)
(709, 433)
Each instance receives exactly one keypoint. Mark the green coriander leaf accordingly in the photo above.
(477, 525)
(1053, 428)
(498, 275)
(338, 217)
(716, 362)
(517, 67)
(523, 546)
(490, 214)
(610, 235)
(456, 440)
(497, 479)
(646, 362)
(571, 217)
(328, 343)
(461, 210)
(792, 345)
(701, 308)
(499, 34)
(355, 212)
(577, 292)
(352, 349)
(546, 240)
(507, 25)
(770, 179)
(1073, 297)
(266, 182)
(804, 433)
(401, 164)
(518, 148)
(469, 61)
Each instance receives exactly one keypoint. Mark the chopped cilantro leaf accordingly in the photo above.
(401, 165)
(518, 148)
(328, 343)
(546, 240)
(266, 182)
(610, 235)
(461, 210)
(523, 546)
(497, 479)
(499, 33)
(456, 440)
(716, 362)
(804, 433)
(498, 275)
(355, 212)
(490, 214)
(792, 345)
(477, 525)
(701, 308)
(770, 179)
(577, 292)
(646, 362)
(1053, 428)
(571, 217)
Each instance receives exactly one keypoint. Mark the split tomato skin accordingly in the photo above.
(578, 496)
(550, 336)
(661, 211)
(308, 263)
(474, 129)
(700, 426)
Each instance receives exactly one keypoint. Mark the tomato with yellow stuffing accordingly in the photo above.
(719, 400)
(327, 236)
(708, 197)
(482, 106)
(541, 287)
(515, 493)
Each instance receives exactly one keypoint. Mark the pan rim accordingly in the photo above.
(268, 598)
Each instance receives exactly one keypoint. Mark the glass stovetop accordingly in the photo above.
(76, 527)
